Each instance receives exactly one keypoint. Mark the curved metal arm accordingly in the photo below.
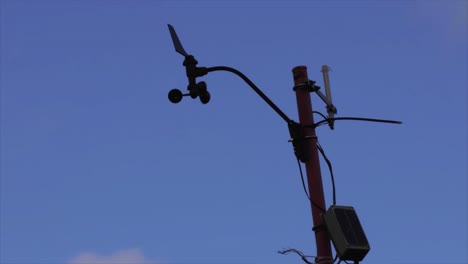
(254, 87)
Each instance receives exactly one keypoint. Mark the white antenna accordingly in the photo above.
(330, 107)
(325, 70)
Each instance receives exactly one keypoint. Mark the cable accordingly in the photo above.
(305, 189)
(304, 257)
(326, 120)
(302, 179)
(318, 113)
(319, 147)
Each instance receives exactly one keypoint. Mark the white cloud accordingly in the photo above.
(127, 256)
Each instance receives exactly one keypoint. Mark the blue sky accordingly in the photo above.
(97, 166)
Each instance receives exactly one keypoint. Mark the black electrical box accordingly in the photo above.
(346, 233)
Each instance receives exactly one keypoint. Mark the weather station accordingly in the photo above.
(339, 224)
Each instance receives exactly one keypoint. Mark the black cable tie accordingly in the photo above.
(297, 139)
(308, 86)
(318, 228)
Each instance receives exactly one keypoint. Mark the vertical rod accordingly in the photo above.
(314, 178)
(330, 107)
(326, 82)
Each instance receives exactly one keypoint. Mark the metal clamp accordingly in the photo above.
(308, 86)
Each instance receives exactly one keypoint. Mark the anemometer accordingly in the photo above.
(200, 89)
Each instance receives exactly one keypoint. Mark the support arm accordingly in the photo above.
(254, 87)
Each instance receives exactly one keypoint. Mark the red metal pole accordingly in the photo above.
(314, 178)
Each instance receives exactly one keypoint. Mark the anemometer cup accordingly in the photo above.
(203, 92)
(175, 96)
(205, 97)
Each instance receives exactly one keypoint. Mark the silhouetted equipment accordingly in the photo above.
(342, 223)
(296, 131)
(346, 233)
(192, 71)
(200, 89)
